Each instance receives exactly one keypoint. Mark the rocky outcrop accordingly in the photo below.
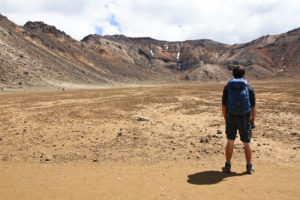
(41, 26)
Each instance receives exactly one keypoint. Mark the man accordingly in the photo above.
(238, 105)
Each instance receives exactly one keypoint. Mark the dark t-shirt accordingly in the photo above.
(251, 95)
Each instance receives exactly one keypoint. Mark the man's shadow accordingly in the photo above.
(210, 177)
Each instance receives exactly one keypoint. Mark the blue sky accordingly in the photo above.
(113, 22)
(227, 21)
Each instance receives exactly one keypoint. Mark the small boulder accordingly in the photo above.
(219, 131)
(203, 139)
(205, 151)
(143, 118)
(120, 134)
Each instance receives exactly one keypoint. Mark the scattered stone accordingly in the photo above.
(143, 118)
(45, 158)
(192, 143)
(95, 160)
(120, 134)
(63, 89)
(219, 131)
(205, 151)
(294, 133)
(203, 139)
(259, 145)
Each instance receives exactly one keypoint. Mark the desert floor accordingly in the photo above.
(89, 144)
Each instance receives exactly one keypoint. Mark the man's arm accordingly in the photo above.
(224, 111)
(224, 101)
(253, 114)
(252, 102)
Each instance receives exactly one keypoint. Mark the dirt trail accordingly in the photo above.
(169, 180)
(88, 144)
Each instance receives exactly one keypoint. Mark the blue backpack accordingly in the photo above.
(238, 102)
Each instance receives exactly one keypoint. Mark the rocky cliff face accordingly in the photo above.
(41, 55)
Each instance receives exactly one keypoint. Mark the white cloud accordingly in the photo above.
(228, 21)
(77, 18)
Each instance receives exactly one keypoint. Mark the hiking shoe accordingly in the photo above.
(226, 168)
(250, 168)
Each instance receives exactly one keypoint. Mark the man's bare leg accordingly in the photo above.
(228, 154)
(248, 152)
(248, 155)
(229, 150)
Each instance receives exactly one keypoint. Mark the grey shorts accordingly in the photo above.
(243, 124)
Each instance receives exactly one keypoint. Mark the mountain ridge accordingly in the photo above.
(38, 54)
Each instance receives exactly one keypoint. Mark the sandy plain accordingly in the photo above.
(89, 144)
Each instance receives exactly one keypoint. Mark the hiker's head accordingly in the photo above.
(238, 72)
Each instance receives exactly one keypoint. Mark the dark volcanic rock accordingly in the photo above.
(41, 26)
